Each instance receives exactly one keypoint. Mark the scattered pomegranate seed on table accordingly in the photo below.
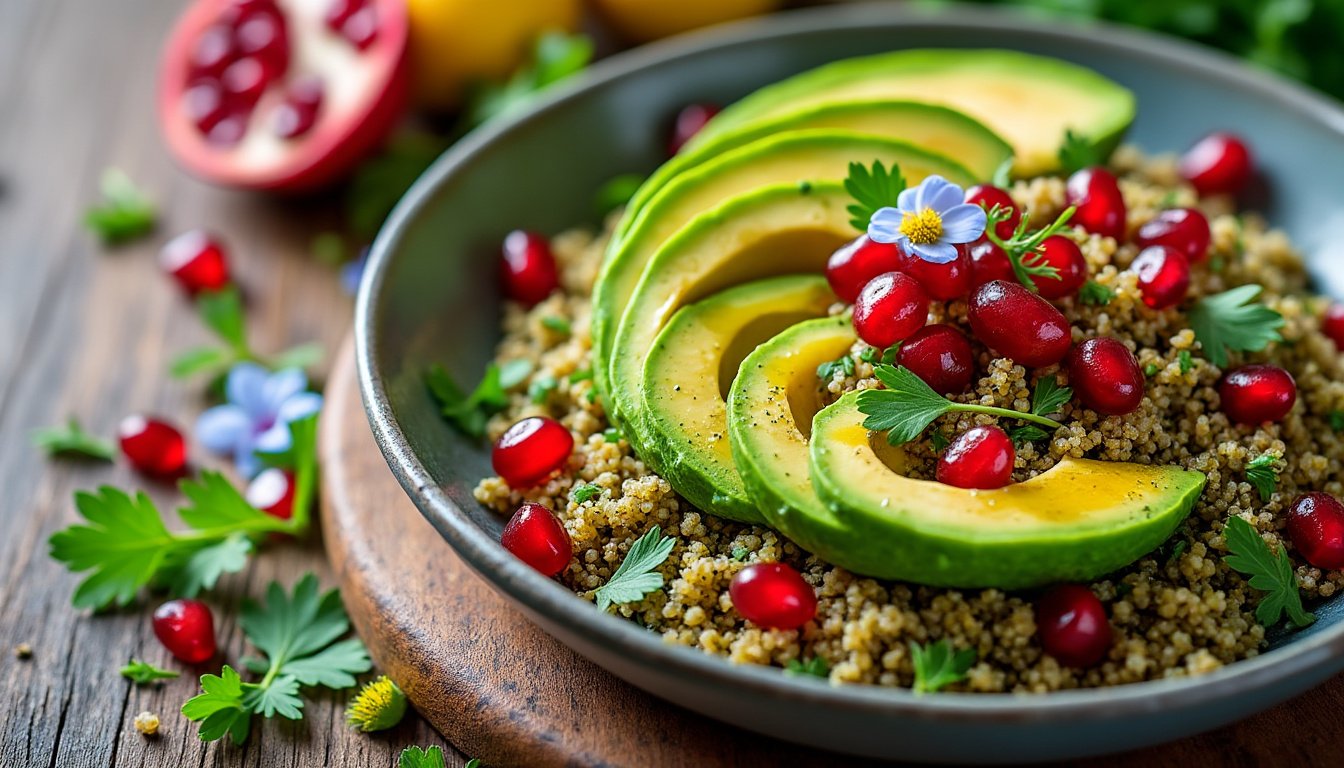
(1184, 229)
(1067, 258)
(197, 261)
(1332, 325)
(941, 356)
(989, 263)
(187, 629)
(889, 309)
(1257, 394)
(981, 457)
(773, 595)
(1017, 323)
(987, 196)
(534, 536)
(1219, 163)
(153, 446)
(528, 268)
(1072, 625)
(1101, 207)
(857, 262)
(1316, 528)
(1106, 376)
(943, 282)
(1164, 276)
(531, 450)
(272, 492)
(688, 122)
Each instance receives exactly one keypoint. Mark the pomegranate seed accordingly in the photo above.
(1257, 394)
(339, 11)
(1164, 276)
(1185, 229)
(1101, 207)
(773, 595)
(531, 450)
(688, 122)
(197, 261)
(1219, 163)
(528, 268)
(203, 105)
(187, 629)
(152, 446)
(1332, 325)
(534, 536)
(987, 196)
(941, 356)
(228, 131)
(857, 262)
(272, 492)
(262, 34)
(1106, 376)
(361, 28)
(890, 308)
(1067, 258)
(943, 282)
(981, 457)
(1072, 625)
(1316, 528)
(298, 113)
(989, 263)
(244, 81)
(213, 52)
(1018, 324)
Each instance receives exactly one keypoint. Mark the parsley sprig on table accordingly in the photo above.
(72, 440)
(222, 312)
(872, 188)
(1263, 473)
(1028, 264)
(637, 574)
(1229, 322)
(142, 672)
(1269, 570)
(125, 213)
(937, 665)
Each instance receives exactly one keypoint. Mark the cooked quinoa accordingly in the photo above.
(1178, 611)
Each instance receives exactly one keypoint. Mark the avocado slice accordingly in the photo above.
(1077, 521)
(800, 158)
(933, 127)
(687, 376)
(1028, 100)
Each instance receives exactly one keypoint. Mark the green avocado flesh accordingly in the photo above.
(1077, 521)
(804, 159)
(692, 364)
(1028, 100)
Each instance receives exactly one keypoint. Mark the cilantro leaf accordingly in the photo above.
(1095, 294)
(843, 363)
(1027, 433)
(219, 707)
(124, 215)
(72, 440)
(468, 412)
(1269, 571)
(415, 757)
(1185, 361)
(1049, 397)
(1263, 473)
(616, 192)
(815, 666)
(197, 569)
(1229, 322)
(584, 493)
(555, 57)
(142, 672)
(937, 666)
(637, 575)
(872, 189)
(1077, 153)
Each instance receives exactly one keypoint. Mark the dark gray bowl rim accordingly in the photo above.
(557, 604)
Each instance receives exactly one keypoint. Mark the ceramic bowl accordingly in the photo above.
(429, 295)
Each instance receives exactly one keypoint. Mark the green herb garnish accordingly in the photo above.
(1185, 361)
(541, 388)
(468, 413)
(871, 189)
(611, 435)
(1027, 433)
(583, 374)
(616, 192)
(937, 666)
(1337, 421)
(1150, 370)
(379, 182)
(637, 575)
(1095, 294)
(1028, 264)
(555, 57)
(1049, 397)
(870, 354)
(125, 213)
(938, 442)
(72, 440)
(890, 354)
(740, 554)
(222, 312)
(582, 493)
(1269, 571)
(1177, 550)
(1077, 153)
(415, 757)
(1263, 473)
(1229, 322)
(843, 363)
(142, 672)
(555, 324)
(815, 666)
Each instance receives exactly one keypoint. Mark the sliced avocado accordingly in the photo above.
(1077, 521)
(801, 158)
(1028, 100)
(935, 128)
(687, 376)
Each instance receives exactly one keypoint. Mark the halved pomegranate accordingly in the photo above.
(282, 94)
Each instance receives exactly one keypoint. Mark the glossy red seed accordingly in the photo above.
(989, 263)
(981, 457)
(941, 356)
(1067, 258)
(203, 104)
(687, 123)
(213, 51)
(152, 446)
(187, 629)
(534, 536)
(297, 114)
(528, 267)
(1316, 528)
(1018, 324)
(340, 10)
(1101, 207)
(197, 261)
(890, 308)
(1185, 229)
(987, 196)
(361, 28)
(272, 492)
(1106, 376)
(261, 33)
(1219, 163)
(857, 262)
(1332, 325)
(229, 130)
(1072, 625)
(244, 81)
(1164, 276)
(531, 450)
(773, 595)
(943, 282)
(1257, 394)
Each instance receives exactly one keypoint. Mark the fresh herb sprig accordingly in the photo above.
(222, 312)
(1230, 322)
(555, 57)
(1095, 294)
(469, 412)
(1269, 570)
(1076, 152)
(432, 757)
(815, 666)
(843, 363)
(1262, 472)
(125, 213)
(581, 494)
(637, 574)
(1049, 397)
(938, 666)
(143, 673)
(872, 188)
(1021, 249)
(72, 440)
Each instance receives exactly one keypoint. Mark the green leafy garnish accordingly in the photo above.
(142, 672)
(583, 374)
(1028, 264)
(907, 406)
(556, 56)
(870, 354)
(938, 442)
(541, 388)
(1095, 294)
(1269, 571)
(1337, 421)
(1263, 473)
(1229, 322)
(556, 325)
(298, 637)
(222, 312)
(637, 575)
(1027, 433)
(616, 192)
(815, 666)
(415, 757)
(125, 213)
(584, 493)
(1077, 153)
(72, 440)
(1177, 550)
(843, 363)
(1150, 370)
(937, 666)
(611, 435)
(740, 553)
(469, 412)
(1185, 361)
(871, 189)
(1049, 397)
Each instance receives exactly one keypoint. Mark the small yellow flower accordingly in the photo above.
(147, 723)
(377, 707)
(924, 227)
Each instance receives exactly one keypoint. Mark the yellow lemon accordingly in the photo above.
(643, 20)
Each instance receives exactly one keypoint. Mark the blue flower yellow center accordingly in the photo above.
(923, 228)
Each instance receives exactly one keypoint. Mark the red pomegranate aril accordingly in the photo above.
(262, 33)
(890, 308)
(857, 262)
(1018, 324)
(531, 450)
(1219, 163)
(272, 492)
(528, 267)
(534, 536)
(687, 123)
(298, 113)
(228, 131)
(1067, 258)
(1072, 625)
(1101, 207)
(773, 595)
(1185, 229)
(213, 52)
(187, 629)
(203, 104)
(244, 81)
(1332, 325)
(1316, 528)
(361, 28)
(340, 10)
(1164, 276)
(1257, 394)
(1106, 376)
(197, 261)
(987, 196)
(941, 356)
(152, 446)
(981, 458)
(943, 282)
(989, 263)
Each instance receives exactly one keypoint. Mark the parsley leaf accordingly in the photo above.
(1177, 550)
(467, 412)
(871, 190)
(637, 575)
(72, 440)
(1185, 361)
(1077, 153)
(1229, 322)
(222, 312)
(125, 213)
(1027, 433)
(612, 435)
(616, 192)
(936, 666)
(1337, 421)
(584, 493)
(142, 672)
(555, 57)
(1095, 294)
(815, 666)
(219, 707)
(740, 554)
(1028, 264)
(1049, 397)
(1263, 473)
(1269, 571)
(843, 363)
(938, 442)
(557, 325)
(583, 374)
(415, 757)
(870, 354)
(1150, 370)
